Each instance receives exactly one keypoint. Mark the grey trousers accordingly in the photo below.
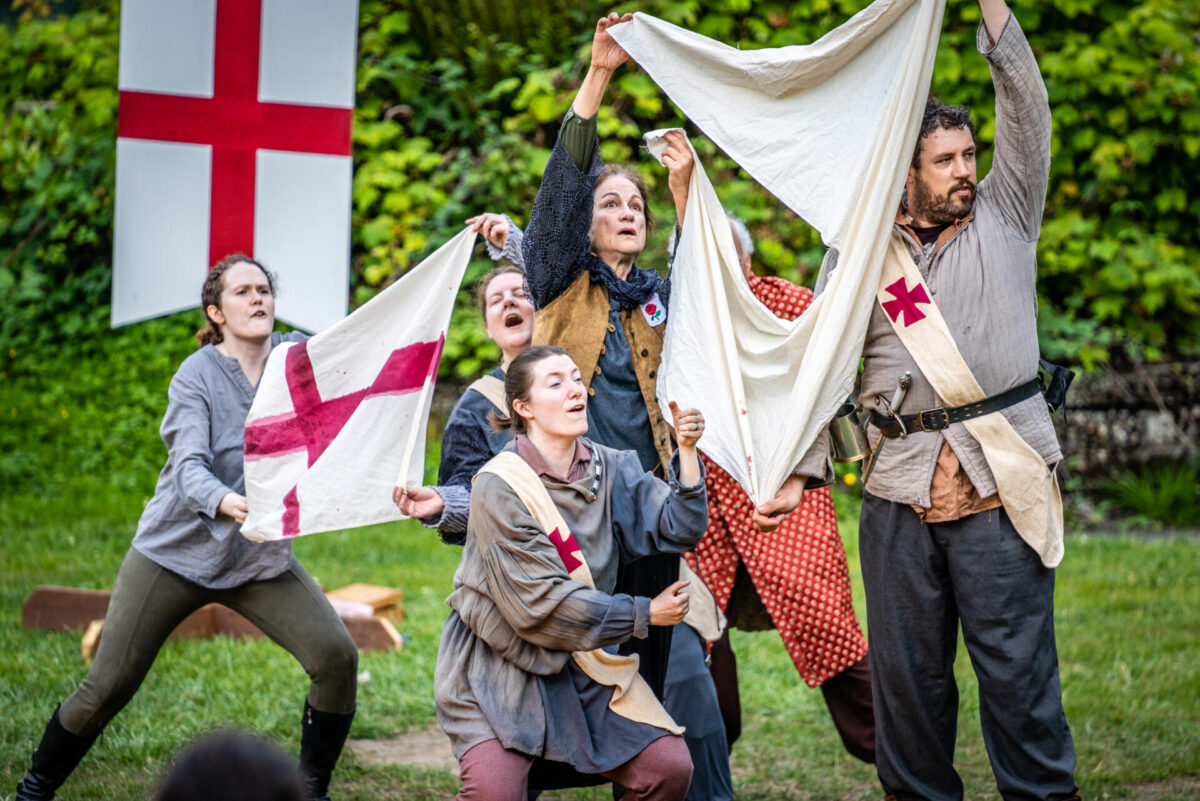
(920, 581)
(149, 601)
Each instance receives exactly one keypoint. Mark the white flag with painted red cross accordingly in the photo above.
(233, 135)
(339, 419)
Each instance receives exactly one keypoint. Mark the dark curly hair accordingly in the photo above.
(210, 295)
(941, 115)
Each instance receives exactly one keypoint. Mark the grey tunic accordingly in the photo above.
(983, 281)
(204, 431)
(504, 668)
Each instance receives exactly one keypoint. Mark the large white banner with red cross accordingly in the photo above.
(233, 135)
(339, 419)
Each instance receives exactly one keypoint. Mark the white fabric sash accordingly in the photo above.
(703, 615)
(829, 128)
(632, 697)
(1028, 489)
(491, 388)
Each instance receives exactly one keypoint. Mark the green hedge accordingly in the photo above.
(458, 107)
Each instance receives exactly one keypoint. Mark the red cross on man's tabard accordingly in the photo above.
(316, 421)
(905, 302)
(235, 124)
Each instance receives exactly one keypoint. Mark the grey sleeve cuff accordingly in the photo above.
(673, 477)
(815, 465)
(456, 503)
(218, 526)
(828, 265)
(641, 617)
(511, 252)
(213, 501)
(983, 40)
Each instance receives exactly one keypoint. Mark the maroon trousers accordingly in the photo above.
(661, 772)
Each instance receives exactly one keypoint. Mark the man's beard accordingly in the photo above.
(940, 210)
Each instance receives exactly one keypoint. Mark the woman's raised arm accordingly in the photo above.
(607, 55)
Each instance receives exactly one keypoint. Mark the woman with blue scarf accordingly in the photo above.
(587, 229)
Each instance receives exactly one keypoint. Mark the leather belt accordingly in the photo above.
(940, 418)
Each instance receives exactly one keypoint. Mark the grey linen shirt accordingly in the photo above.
(983, 282)
(204, 431)
(511, 252)
(518, 615)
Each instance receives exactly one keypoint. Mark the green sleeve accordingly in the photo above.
(578, 136)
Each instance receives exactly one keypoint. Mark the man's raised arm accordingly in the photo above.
(995, 16)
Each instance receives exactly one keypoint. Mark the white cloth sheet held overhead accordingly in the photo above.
(340, 419)
(828, 128)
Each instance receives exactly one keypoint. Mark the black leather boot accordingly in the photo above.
(322, 735)
(56, 756)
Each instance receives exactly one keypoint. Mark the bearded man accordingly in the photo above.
(937, 541)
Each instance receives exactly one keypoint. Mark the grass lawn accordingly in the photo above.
(1128, 629)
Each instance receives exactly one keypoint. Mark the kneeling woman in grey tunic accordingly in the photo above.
(188, 552)
(551, 518)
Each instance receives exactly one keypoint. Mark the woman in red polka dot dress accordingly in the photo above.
(798, 572)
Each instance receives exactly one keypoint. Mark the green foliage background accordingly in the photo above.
(458, 106)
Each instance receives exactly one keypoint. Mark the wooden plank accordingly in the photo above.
(52, 608)
(393, 613)
(374, 634)
(67, 608)
(91, 640)
(213, 619)
(372, 595)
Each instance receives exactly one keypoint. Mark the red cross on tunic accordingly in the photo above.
(567, 547)
(235, 124)
(905, 302)
(315, 421)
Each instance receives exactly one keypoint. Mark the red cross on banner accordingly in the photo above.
(340, 419)
(315, 422)
(234, 136)
(235, 124)
(905, 302)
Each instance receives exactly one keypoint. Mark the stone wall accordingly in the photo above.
(1122, 418)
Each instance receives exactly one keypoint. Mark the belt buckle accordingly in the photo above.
(937, 420)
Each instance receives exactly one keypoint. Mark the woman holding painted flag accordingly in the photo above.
(188, 553)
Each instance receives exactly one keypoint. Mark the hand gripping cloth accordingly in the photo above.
(339, 417)
(828, 128)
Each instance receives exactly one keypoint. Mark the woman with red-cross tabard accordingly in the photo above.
(188, 551)
(526, 676)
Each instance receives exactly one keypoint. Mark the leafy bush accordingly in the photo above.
(1160, 494)
(459, 103)
(90, 407)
